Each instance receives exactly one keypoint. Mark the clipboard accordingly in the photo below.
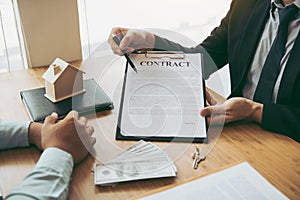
(165, 56)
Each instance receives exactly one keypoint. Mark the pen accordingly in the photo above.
(117, 41)
(1, 197)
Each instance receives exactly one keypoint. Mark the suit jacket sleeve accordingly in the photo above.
(283, 119)
(163, 44)
(214, 47)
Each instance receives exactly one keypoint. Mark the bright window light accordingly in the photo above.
(11, 53)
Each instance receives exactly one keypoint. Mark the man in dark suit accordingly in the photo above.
(244, 40)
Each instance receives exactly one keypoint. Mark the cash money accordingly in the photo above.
(143, 160)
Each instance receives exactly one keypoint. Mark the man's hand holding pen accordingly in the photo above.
(117, 41)
(130, 40)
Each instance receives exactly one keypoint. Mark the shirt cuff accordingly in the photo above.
(56, 159)
(49, 179)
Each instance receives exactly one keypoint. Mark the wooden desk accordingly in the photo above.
(275, 156)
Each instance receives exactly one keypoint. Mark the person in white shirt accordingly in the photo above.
(64, 143)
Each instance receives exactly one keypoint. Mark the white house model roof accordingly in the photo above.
(56, 69)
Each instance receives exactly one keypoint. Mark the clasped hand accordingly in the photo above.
(72, 134)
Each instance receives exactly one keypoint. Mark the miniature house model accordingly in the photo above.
(62, 81)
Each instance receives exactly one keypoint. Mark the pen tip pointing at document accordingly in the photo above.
(130, 63)
(135, 70)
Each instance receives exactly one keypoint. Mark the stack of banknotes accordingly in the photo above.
(143, 160)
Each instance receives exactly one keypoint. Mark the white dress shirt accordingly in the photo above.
(51, 176)
(264, 47)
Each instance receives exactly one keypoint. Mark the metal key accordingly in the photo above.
(197, 161)
(197, 158)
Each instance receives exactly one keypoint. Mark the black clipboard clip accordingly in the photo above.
(164, 55)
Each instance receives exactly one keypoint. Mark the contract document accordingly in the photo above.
(163, 100)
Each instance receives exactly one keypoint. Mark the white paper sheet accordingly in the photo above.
(238, 182)
(165, 98)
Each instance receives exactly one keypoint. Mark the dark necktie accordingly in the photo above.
(271, 68)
